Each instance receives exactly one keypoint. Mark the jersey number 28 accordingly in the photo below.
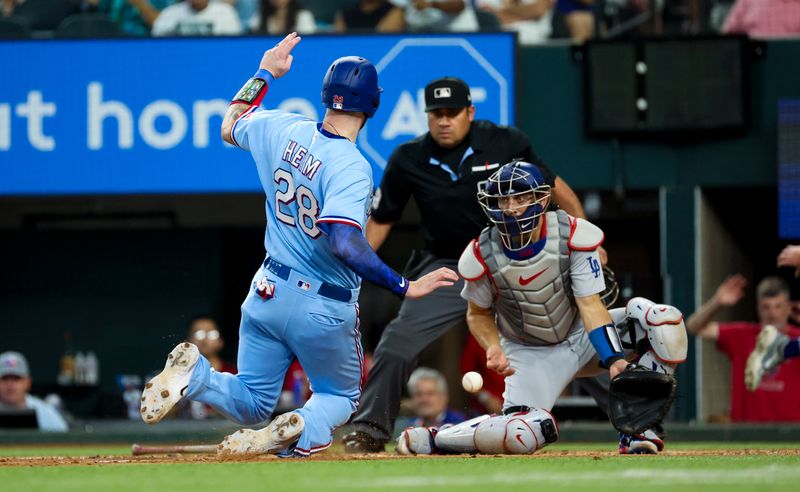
(307, 206)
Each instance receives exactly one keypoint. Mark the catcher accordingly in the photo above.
(533, 283)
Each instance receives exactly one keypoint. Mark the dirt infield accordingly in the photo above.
(31, 461)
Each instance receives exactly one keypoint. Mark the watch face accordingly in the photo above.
(249, 92)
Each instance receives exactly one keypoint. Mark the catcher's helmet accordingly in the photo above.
(514, 198)
(351, 84)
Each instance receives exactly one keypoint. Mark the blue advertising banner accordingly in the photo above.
(143, 115)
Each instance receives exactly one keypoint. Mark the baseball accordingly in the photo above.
(472, 382)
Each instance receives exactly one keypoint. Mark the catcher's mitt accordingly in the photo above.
(639, 399)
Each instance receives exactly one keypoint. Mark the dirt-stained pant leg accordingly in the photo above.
(418, 324)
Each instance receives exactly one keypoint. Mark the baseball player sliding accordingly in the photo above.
(303, 298)
(533, 280)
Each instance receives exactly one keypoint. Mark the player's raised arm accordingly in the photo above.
(274, 65)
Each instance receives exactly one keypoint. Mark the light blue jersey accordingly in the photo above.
(311, 177)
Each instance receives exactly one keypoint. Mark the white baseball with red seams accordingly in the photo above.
(472, 382)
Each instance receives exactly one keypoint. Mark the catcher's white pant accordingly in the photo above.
(542, 372)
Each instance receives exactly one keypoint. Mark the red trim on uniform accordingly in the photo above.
(477, 254)
(315, 449)
(357, 337)
(665, 322)
(340, 221)
(572, 227)
(479, 257)
(676, 361)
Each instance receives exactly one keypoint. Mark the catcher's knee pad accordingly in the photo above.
(516, 433)
(459, 438)
(663, 327)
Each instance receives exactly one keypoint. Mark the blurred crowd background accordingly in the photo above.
(536, 21)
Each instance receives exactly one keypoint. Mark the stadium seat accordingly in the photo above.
(14, 28)
(45, 15)
(487, 21)
(87, 26)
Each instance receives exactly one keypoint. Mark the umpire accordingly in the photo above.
(441, 170)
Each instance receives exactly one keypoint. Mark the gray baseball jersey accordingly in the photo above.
(534, 297)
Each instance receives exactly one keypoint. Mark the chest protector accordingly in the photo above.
(535, 304)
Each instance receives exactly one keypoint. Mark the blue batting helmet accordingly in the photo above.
(514, 198)
(351, 84)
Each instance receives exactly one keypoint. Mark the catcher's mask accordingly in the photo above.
(514, 198)
(610, 294)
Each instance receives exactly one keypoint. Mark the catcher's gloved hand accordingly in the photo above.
(639, 398)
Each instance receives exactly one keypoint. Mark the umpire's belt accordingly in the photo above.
(325, 289)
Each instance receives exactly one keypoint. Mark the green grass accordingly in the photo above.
(549, 473)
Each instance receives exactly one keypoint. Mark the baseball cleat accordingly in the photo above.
(282, 432)
(767, 355)
(360, 442)
(417, 440)
(166, 389)
(645, 443)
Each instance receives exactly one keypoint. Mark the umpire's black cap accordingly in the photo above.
(447, 92)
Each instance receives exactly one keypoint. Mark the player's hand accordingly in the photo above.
(278, 60)
(790, 257)
(617, 367)
(497, 362)
(731, 290)
(601, 252)
(443, 277)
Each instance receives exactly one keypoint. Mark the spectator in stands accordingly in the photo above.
(372, 15)
(790, 257)
(8, 6)
(532, 19)
(439, 15)
(15, 383)
(247, 10)
(204, 332)
(284, 16)
(428, 390)
(777, 395)
(579, 17)
(198, 18)
(324, 11)
(490, 398)
(649, 14)
(764, 18)
(134, 17)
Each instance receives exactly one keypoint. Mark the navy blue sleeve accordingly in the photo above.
(350, 246)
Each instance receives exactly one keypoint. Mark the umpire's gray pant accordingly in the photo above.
(417, 325)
